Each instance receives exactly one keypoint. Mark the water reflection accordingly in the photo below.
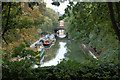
(75, 52)
(51, 53)
(59, 55)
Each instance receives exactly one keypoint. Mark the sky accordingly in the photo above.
(60, 9)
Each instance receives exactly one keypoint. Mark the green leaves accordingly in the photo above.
(25, 23)
(90, 23)
(50, 21)
(64, 70)
(10, 16)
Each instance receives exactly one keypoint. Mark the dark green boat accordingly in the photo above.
(40, 55)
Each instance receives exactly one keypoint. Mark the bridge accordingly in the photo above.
(60, 31)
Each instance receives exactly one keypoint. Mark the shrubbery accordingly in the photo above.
(65, 70)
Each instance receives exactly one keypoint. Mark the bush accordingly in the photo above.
(65, 70)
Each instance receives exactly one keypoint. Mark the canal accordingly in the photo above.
(59, 54)
(62, 49)
(54, 54)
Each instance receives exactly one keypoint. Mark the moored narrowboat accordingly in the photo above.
(41, 52)
(48, 40)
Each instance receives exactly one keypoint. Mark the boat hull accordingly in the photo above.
(42, 53)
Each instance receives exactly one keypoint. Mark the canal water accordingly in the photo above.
(55, 54)
(59, 55)
(63, 49)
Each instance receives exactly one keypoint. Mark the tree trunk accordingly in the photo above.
(118, 12)
(5, 40)
(8, 14)
(6, 24)
(112, 16)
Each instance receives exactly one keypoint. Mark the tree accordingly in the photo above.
(14, 16)
(51, 20)
(56, 3)
(112, 16)
(90, 23)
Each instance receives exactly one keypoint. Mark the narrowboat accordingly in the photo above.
(40, 54)
(48, 40)
(39, 48)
